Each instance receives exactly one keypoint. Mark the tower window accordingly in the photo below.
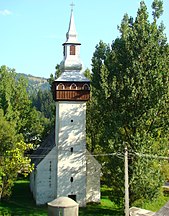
(73, 86)
(85, 87)
(50, 166)
(71, 179)
(72, 50)
(71, 149)
(60, 87)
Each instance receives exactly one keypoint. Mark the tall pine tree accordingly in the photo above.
(131, 90)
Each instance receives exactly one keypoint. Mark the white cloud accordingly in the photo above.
(5, 12)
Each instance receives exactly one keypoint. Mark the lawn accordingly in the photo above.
(22, 203)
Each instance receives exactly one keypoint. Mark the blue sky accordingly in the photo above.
(32, 31)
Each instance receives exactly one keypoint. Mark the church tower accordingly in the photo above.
(71, 91)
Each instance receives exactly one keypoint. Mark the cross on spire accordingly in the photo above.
(72, 6)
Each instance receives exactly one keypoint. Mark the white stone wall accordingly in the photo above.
(33, 183)
(43, 179)
(71, 148)
(93, 179)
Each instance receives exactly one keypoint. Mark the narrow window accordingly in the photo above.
(71, 149)
(85, 87)
(50, 166)
(72, 50)
(73, 87)
(50, 176)
(60, 86)
(71, 120)
(71, 179)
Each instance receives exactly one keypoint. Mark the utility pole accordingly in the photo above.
(126, 182)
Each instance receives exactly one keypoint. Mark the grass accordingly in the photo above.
(22, 203)
(105, 208)
(156, 204)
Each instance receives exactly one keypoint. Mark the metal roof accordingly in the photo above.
(72, 76)
(71, 36)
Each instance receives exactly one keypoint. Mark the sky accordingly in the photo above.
(33, 31)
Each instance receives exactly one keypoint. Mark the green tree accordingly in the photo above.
(130, 87)
(93, 124)
(43, 101)
(17, 107)
(55, 76)
(12, 159)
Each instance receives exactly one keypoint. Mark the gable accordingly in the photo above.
(91, 161)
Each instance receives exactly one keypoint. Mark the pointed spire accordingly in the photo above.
(71, 49)
(71, 36)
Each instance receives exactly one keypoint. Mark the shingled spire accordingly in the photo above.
(71, 35)
(71, 49)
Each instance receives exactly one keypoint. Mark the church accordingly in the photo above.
(63, 166)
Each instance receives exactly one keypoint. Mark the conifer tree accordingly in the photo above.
(131, 90)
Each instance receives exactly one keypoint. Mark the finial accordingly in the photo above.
(72, 5)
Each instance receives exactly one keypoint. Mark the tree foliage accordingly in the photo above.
(43, 101)
(131, 93)
(17, 107)
(12, 159)
(20, 124)
(55, 76)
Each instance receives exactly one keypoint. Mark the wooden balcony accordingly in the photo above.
(72, 95)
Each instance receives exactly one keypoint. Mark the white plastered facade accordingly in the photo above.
(43, 179)
(71, 149)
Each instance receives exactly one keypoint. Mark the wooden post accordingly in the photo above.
(126, 182)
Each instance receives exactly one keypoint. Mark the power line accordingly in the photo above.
(117, 154)
(152, 156)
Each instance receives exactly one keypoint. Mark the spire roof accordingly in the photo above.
(71, 36)
(71, 64)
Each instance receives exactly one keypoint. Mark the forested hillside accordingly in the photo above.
(35, 83)
(39, 91)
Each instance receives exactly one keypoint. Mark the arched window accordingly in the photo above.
(86, 87)
(72, 50)
(73, 86)
(60, 86)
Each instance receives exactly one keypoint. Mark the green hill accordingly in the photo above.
(35, 83)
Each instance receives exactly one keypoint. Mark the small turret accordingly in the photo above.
(71, 49)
